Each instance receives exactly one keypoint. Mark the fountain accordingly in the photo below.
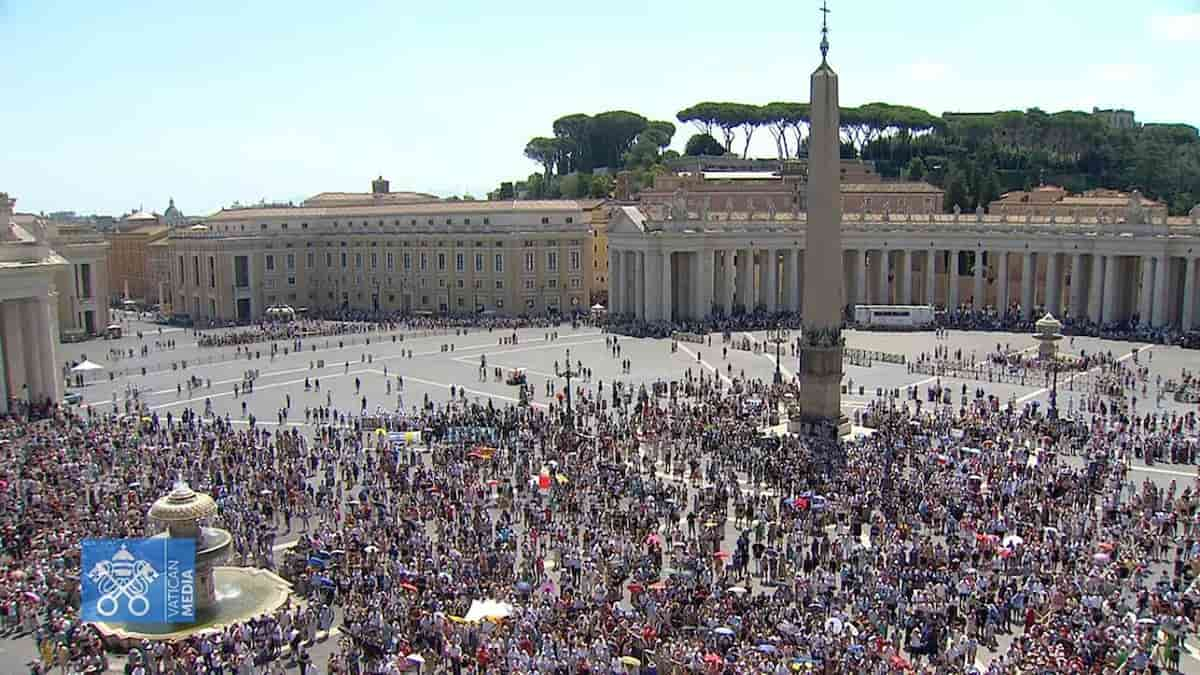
(223, 595)
(1048, 334)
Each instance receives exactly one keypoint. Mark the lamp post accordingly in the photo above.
(1053, 411)
(568, 373)
(778, 336)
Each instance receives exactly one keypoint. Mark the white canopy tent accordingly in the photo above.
(86, 366)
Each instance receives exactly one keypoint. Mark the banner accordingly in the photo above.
(139, 580)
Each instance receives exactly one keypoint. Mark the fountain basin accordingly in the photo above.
(242, 593)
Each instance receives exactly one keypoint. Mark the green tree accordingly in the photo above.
(574, 135)
(612, 134)
(703, 144)
(782, 117)
(956, 189)
(544, 151)
(915, 170)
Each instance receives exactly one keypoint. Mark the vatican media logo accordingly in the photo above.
(139, 580)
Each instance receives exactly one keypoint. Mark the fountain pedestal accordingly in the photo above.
(223, 595)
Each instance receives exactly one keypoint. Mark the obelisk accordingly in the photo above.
(821, 342)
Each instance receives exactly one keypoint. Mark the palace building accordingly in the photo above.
(385, 252)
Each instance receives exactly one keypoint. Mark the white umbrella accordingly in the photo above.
(86, 366)
(1012, 540)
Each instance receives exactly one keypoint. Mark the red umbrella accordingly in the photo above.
(634, 587)
(721, 555)
(408, 587)
(900, 662)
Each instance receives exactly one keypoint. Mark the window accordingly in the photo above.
(291, 261)
(270, 263)
(358, 261)
(499, 284)
(291, 281)
(241, 271)
(552, 261)
(478, 262)
(424, 261)
(283, 226)
(304, 226)
(328, 259)
(529, 284)
(575, 261)
(344, 260)
(545, 220)
(407, 261)
(499, 263)
(478, 284)
(459, 262)
(487, 221)
(461, 283)
(391, 261)
(529, 262)
(262, 226)
(374, 260)
(441, 262)
(570, 220)
(196, 270)
(309, 260)
(182, 278)
(552, 283)
(212, 272)
(576, 283)
(499, 303)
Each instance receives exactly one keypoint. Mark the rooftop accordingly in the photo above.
(388, 210)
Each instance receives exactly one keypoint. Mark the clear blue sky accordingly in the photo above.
(108, 105)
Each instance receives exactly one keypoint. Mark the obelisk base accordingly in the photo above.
(820, 406)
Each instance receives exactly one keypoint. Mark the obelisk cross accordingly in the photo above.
(824, 29)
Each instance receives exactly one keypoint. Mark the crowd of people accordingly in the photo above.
(638, 533)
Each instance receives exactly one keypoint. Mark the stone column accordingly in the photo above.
(801, 266)
(1096, 289)
(790, 287)
(32, 355)
(930, 277)
(904, 263)
(639, 284)
(860, 277)
(979, 298)
(1078, 299)
(666, 291)
(1159, 308)
(1188, 318)
(1053, 288)
(885, 296)
(47, 314)
(1027, 285)
(771, 278)
(615, 285)
(1146, 293)
(744, 264)
(653, 275)
(729, 288)
(1109, 311)
(4, 357)
(706, 282)
(952, 280)
(1001, 281)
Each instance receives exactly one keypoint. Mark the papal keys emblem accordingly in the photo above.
(124, 577)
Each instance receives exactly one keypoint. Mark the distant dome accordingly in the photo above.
(173, 216)
(142, 216)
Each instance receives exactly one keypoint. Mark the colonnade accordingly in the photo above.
(28, 334)
(694, 281)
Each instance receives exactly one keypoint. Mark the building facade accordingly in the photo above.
(128, 253)
(1051, 200)
(674, 262)
(861, 188)
(28, 318)
(83, 285)
(391, 255)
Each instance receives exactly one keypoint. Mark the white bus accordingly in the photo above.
(894, 317)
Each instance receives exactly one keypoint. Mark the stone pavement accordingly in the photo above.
(433, 369)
